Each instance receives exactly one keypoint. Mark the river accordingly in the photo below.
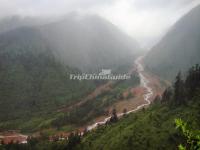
(143, 83)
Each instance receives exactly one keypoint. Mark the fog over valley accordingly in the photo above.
(145, 21)
(99, 75)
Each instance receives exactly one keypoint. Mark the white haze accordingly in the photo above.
(145, 20)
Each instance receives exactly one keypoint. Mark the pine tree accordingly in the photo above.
(193, 81)
(179, 89)
(73, 140)
(167, 94)
(114, 117)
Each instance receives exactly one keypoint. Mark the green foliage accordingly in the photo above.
(179, 89)
(192, 137)
(33, 83)
(181, 147)
(114, 117)
(95, 107)
(151, 129)
(183, 89)
(73, 140)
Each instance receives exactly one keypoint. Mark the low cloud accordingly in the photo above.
(145, 20)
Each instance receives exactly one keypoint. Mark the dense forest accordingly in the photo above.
(37, 58)
(157, 108)
(171, 122)
(33, 83)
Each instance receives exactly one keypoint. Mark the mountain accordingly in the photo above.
(90, 43)
(32, 81)
(179, 49)
(87, 42)
(14, 22)
(166, 124)
(37, 60)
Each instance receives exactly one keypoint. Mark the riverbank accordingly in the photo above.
(144, 94)
(145, 100)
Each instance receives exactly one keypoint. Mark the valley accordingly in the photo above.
(144, 94)
(36, 62)
(149, 88)
(156, 107)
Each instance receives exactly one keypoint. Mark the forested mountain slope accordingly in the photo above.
(37, 60)
(179, 49)
(31, 79)
(152, 128)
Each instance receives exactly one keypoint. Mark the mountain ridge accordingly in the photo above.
(178, 49)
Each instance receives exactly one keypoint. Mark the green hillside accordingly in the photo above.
(153, 128)
(35, 82)
(32, 82)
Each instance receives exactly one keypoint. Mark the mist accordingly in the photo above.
(146, 21)
(99, 74)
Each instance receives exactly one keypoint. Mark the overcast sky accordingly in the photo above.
(145, 20)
